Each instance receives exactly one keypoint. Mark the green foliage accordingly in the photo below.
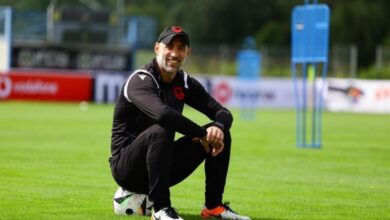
(24, 4)
(363, 23)
(374, 73)
(53, 159)
(270, 34)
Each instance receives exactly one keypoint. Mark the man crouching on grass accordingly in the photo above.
(146, 159)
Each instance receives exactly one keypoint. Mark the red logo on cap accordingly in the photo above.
(177, 29)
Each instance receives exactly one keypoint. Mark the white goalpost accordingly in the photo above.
(5, 38)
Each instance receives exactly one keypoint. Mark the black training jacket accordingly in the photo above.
(146, 100)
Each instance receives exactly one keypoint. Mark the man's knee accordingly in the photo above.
(160, 134)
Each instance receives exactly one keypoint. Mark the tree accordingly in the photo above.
(363, 23)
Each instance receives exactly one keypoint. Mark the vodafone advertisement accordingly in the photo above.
(371, 96)
(50, 86)
(241, 93)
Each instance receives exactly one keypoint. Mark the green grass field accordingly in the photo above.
(53, 165)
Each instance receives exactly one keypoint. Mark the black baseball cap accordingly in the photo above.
(169, 33)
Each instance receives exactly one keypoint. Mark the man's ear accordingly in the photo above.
(189, 51)
(156, 47)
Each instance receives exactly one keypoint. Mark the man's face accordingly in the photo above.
(171, 57)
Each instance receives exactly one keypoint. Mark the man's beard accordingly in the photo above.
(163, 63)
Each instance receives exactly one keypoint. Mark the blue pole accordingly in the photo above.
(324, 73)
(304, 105)
(297, 105)
(314, 108)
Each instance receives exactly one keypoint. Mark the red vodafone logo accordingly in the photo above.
(5, 87)
(222, 92)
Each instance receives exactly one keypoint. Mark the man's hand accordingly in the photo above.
(212, 141)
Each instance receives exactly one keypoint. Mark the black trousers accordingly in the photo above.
(153, 162)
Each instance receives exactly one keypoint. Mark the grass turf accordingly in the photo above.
(53, 165)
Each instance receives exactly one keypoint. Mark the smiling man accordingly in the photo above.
(146, 158)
